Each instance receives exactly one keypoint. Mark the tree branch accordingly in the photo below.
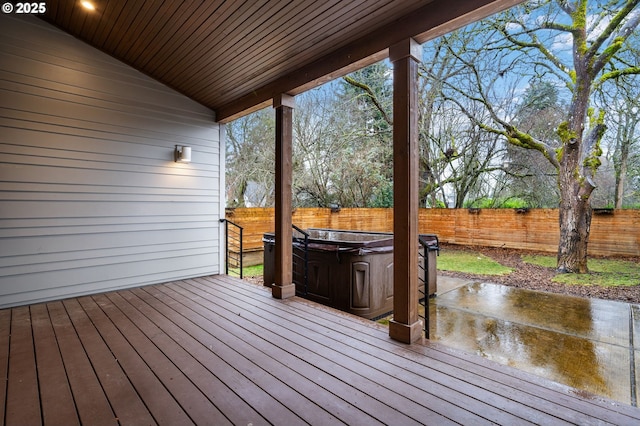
(535, 44)
(370, 95)
(616, 74)
(556, 26)
(511, 133)
(623, 34)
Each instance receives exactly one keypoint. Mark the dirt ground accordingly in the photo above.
(539, 278)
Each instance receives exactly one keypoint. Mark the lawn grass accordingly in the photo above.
(470, 262)
(248, 271)
(602, 272)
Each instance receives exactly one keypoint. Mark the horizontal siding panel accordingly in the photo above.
(110, 197)
(18, 223)
(28, 39)
(114, 227)
(92, 116)
(145, 118)
(46, 188)
(49, 285)
(48, 209)
(79, 255)
(96, 133)
(59, 243)
(100, 169)
(90, 197)
(103, 260)
(18, 80)
(95, 145)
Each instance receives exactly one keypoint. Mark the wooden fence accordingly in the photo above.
(613, 233)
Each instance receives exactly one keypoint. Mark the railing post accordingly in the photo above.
(241, 254)
(226, 246)
(426, 288)
(428, 243)
(306, 262)
(304, 257)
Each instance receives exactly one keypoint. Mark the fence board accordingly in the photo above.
(616, 234)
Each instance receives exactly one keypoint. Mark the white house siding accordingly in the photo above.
(90, 197)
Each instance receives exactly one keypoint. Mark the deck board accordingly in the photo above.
(91, 402)
(435, 389)
(170, 362)
(552, 397)
(125, 401)
(271, 356)
(160, 403)
(217, 350)
(200, 361)
(150, 347)
(58, 406)
(5, 331)
(239, 365)
(23, 403)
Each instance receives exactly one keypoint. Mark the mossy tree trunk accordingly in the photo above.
(574, 172)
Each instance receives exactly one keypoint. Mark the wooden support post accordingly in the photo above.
(405, 326)
(283, 287)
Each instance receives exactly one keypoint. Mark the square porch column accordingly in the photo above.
(405, 326)
(283, 287)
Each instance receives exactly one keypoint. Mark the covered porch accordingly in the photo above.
(94, 202)
(217, 350)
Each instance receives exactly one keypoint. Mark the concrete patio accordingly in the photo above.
(584, 343)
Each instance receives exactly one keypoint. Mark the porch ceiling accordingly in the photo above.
(234, 56)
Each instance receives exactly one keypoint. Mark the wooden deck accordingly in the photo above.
(216, 350)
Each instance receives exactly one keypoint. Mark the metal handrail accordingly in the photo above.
(424, 294)
(236, 239)
(302, 243)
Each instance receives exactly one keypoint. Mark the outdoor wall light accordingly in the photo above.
(182, 154)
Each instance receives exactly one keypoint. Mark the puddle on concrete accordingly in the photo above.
(583, 343)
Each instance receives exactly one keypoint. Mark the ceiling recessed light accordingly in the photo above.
(87, 5)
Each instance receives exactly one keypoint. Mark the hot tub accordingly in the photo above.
(348, 270)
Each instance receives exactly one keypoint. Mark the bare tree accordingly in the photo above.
(623, 103)
(339, 156)
(436, 142)
(597, 35)
(250, 173)
(316, 149)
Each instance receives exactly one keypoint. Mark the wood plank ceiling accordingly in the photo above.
(233, 56)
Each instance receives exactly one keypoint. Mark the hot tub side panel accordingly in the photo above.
(323, 273)
(370, 284)
(354, 283)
